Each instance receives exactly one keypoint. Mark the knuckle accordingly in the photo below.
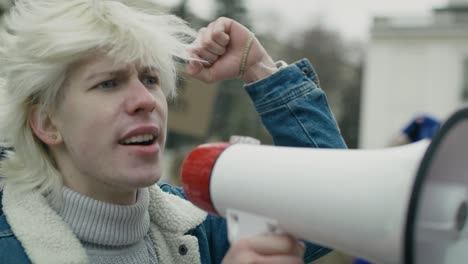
(223, 18)
(206, 44)
(218, 35)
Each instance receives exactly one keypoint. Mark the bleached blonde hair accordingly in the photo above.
(39, 43)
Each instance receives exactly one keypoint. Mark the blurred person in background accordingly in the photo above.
(419, 128)
(84, 107)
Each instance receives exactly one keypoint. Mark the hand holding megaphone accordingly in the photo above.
(266, 249)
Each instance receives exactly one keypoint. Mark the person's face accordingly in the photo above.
(112, 121)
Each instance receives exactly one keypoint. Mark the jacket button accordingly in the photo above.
(183, 250)
(305, 70)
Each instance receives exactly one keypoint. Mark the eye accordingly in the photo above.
(107, 84)
(150, 80)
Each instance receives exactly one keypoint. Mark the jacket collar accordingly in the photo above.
(45, 236)
(172, 213)
(41, 231)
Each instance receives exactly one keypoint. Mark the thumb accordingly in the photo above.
(196, 70)
(193, 68)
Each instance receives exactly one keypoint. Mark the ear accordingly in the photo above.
(43, 127)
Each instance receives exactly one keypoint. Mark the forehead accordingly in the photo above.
(100, 63)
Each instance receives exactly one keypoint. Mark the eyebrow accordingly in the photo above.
(151, 69)
(123, 71)
(112, 73)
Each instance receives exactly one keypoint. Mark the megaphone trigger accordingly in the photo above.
(243, 224)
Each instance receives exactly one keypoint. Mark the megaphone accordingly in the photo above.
(404, 204)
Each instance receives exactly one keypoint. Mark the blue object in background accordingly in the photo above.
(360, 261)
(421, 127)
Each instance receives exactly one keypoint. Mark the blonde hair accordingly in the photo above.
(39, 43)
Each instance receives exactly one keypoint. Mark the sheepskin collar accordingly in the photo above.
(44, 235)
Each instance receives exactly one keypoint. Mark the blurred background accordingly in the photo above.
(386, 66)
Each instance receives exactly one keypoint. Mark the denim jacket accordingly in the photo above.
(294, 110)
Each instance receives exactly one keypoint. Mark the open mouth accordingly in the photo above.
(140, 140)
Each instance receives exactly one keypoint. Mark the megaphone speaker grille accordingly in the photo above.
(437, 213)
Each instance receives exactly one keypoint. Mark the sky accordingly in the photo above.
(352, 18)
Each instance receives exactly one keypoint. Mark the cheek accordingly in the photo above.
(84, 127)
(81, 131)
(86, 139)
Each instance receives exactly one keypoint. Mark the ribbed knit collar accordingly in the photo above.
(106, 224)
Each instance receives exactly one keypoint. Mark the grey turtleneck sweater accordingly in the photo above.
(110, 233)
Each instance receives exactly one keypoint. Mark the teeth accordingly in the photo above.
(138, 139)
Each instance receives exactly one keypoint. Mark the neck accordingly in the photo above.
(103, 224)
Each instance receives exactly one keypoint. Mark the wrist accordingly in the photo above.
(263, 70)
(259, 71)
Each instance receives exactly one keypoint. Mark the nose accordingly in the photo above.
(140, 99)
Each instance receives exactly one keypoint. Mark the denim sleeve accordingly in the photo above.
(294, 109)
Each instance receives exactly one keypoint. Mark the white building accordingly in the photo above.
(414, 66)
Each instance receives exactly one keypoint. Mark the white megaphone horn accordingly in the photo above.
(397, 205)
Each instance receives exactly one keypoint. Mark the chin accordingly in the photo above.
(147, 180)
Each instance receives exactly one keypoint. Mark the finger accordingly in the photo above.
(197, 69)
(193, 68)
(201, 73)
(207, 56)
(205, 48)
(224, 24)
(210, 44)
(276, 245)
(208, 49)
(205, 41)
(199, 37)
(219, 33)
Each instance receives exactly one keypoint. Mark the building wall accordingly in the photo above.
(409, 74)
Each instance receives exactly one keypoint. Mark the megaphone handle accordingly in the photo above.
(243, 224)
